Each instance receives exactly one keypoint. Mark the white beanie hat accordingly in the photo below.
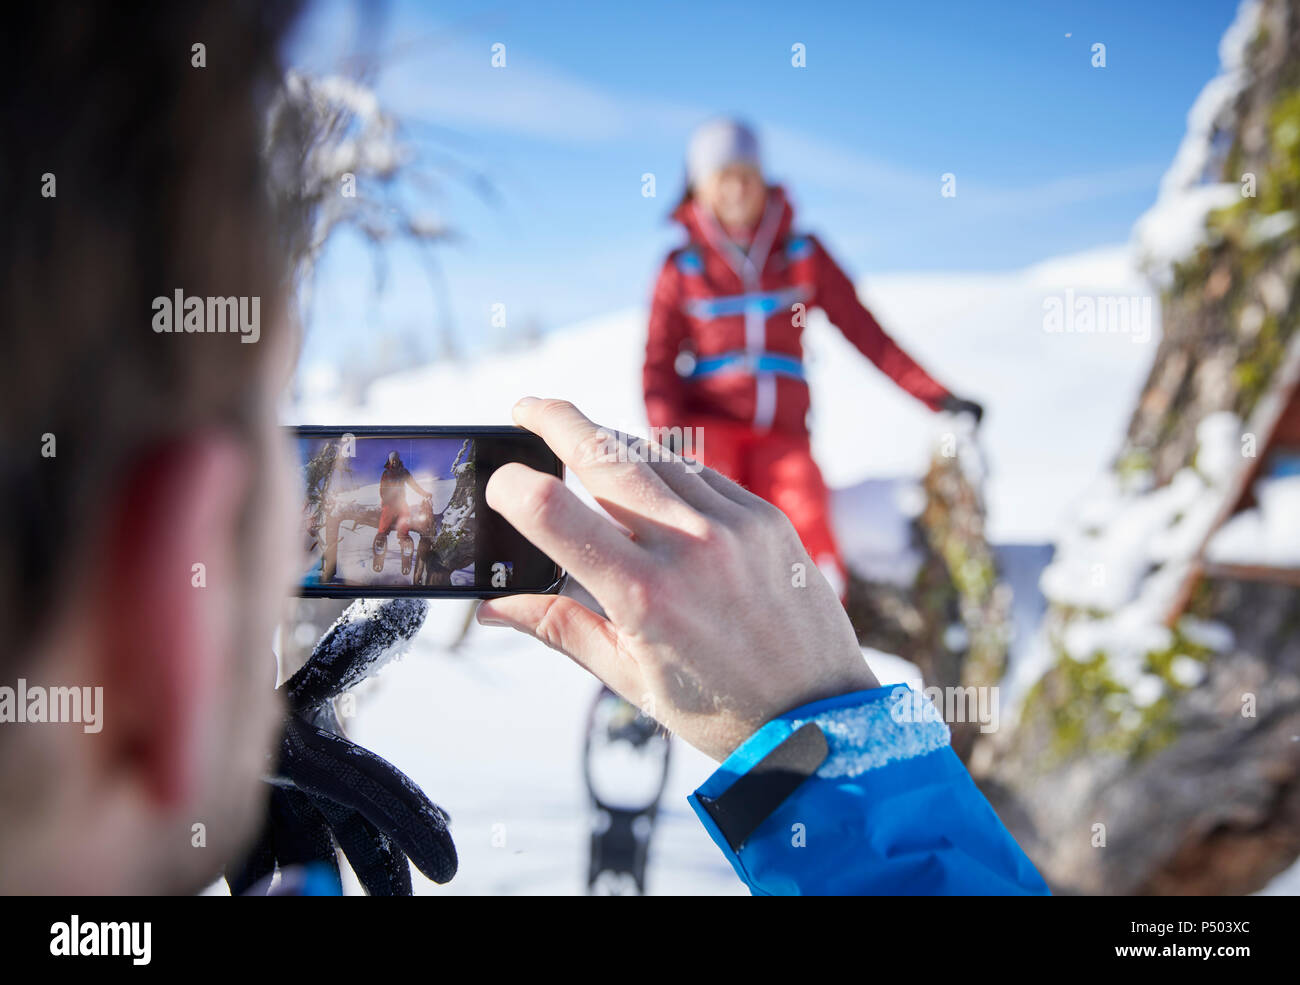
(718, 143)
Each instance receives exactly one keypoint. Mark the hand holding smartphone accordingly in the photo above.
(711, 617)
(699, 615)
(392, 511)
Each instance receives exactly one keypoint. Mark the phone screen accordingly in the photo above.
(400, 511)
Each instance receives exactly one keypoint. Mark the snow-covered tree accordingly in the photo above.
(337, 159)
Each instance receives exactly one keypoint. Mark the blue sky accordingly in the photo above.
(424, 457)
(1051, 155)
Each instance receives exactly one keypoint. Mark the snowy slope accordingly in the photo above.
(492, 730)
(1057, 401)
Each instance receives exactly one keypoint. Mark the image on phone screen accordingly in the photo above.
(389, 511)
(393, 511)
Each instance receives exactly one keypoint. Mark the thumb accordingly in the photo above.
(565, 624)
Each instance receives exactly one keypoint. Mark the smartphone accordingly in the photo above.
(391, 511)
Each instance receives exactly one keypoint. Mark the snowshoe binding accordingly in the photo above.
(625, 763)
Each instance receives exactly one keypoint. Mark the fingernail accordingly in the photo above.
(525, 401)
(486, 618)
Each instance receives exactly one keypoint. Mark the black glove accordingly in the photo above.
(327, 790)
(960, 405)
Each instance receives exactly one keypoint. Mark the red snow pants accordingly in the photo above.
(395, 515)
(780, 469)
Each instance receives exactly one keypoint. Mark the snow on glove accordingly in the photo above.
(328, 790)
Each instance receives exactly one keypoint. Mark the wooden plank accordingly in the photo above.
(1276, 405)
(1252, 572)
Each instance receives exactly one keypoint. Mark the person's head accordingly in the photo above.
(147, 524)
(724, 173)
(394, 460)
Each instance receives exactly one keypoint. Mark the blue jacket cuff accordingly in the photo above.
(864, 731)
(889, 809)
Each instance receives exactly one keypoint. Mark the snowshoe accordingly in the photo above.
(380, 548)
(625, 763)
(408, 554)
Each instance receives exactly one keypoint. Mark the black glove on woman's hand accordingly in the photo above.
(327, 790)
(960, 405)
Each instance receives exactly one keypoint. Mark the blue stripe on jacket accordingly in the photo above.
(777, 363)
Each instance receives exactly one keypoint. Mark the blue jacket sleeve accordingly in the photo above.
(891, 809)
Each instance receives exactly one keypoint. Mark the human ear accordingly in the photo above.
(164, 610)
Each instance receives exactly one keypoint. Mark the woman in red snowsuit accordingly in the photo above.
(394, 513)
(735, 298)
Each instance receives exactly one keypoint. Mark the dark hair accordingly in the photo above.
(158, 184)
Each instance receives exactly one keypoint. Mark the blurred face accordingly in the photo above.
(244, 708)
(268, 555)
(735, 195)
(186, 670)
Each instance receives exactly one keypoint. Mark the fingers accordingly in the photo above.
(564, 528)
(689, 480)
(561, 424)
(631, 490)
(567, 625)
(379, 866)
(733, 492)
(331, 766)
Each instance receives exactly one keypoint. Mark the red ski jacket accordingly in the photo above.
(738, 315)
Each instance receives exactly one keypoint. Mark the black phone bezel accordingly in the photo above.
(547, 457)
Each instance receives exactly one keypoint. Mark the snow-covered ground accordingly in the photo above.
(355, 559)
(355, 553)
(493, 729)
